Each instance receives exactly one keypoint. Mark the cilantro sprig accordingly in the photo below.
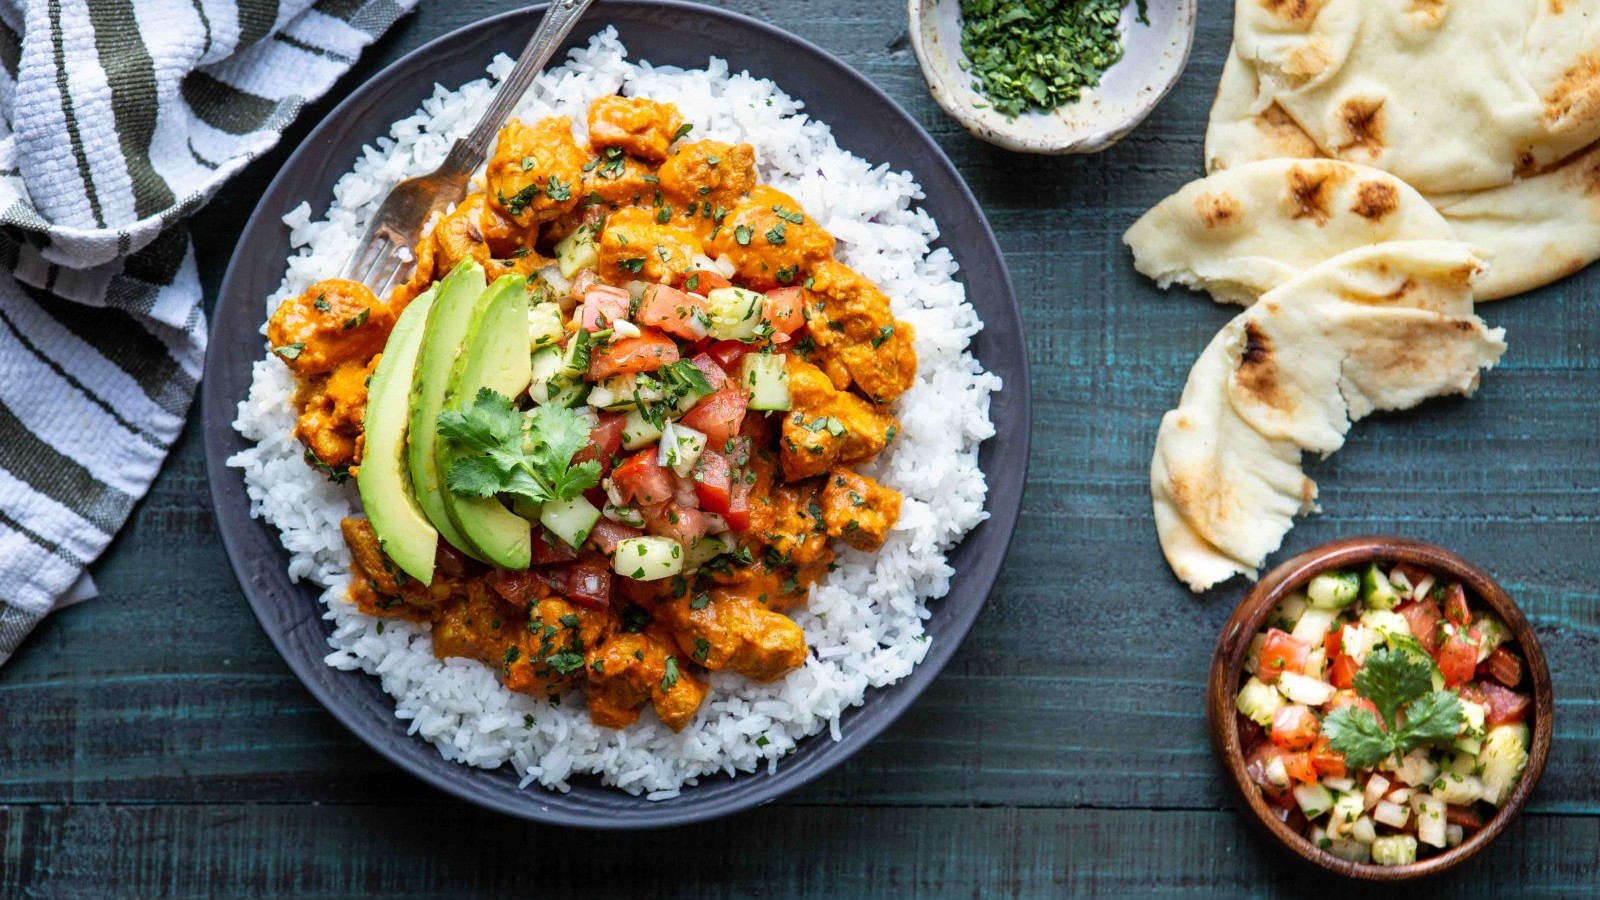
(509, 453)
(1039, 54)
(1395, 681)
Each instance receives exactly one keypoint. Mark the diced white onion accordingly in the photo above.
(1377, 786)
(1300, 689)
(1392, 814)
(624, 328)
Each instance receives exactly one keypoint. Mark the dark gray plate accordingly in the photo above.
(864, 121)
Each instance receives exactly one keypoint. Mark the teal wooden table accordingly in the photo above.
(153, 744)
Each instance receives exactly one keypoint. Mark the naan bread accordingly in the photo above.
(1509, 160)
(1382, 327)
(1449, 95)
(1244, 231)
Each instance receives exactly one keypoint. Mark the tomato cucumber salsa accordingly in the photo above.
(1381, 714)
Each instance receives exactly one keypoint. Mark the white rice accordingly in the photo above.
(864, 622)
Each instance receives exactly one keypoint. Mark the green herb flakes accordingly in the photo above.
(1027, 55)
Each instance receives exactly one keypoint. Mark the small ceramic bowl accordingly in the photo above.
(1153, 58)
(1252, 614)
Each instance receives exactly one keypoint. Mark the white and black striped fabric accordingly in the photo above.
(119, 118)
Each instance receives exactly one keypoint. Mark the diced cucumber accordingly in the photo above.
(570, 395)
(766, 376)
(1454, 787)
(1258, 702)
(1314, 625)
(637, 431)
(1333, 590)
(1430, 819)
(1252, 655)
(1347, 809)
(1491, 630)
(1453, 835)
(570, 520)
(1460, 764)
(1287, 613)
(1352, 850)
(647, 558)
(1376, 591)
(626, 515)
(1386, 622)
(575, 359)
(1277, 773)
(1307, 691)
(576, 252)
(680, 448)
(545, 328)
(1314, 799)
(1417, 768)
(735, 313)
(547, 381)
(1503, 758)
(706, 549)
(1395, 850)
(1469, 746)
(1472, 715)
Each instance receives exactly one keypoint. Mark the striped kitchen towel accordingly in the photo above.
(119, 118)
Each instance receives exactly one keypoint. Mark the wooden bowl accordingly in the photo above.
(1251, 615)
(1154, 54)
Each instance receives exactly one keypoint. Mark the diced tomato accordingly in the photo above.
(738, 514)
(516, 587)
(1333, 644)
(646, 353)
(1463, 816)
(718, 416)
(1455, 606)
(712, 482)
(1346, 698)
(1457, 660)
(1503, 666)
(1342, 674)
(715, 375)
(548, 549)
(677, 522)
(1281, 653)
(674, 311)
(607, 534)
(1250, 734)
(449, 561)
(642, 480)
(1294, 727)
(1300, 767)
(1328, 761)
(604, 304)
(581, 283)
(1424, 619)
(1505, 705)
(728, 354)
(782, 310)
(605, 439)
(589, 581)
(703, 281)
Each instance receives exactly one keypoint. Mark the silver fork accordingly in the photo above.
(397, 224)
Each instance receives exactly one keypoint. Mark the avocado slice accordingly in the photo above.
(402, 527)
(446, 331)
(495, 356)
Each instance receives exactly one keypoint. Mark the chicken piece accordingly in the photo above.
(558, 634)
(334, 322)
(632, 668)
(638, 126)
(859, 510)
(333, 410)
(535, 172)
(857, 338)
(828, 427)
(622, 181)
(380, 578)
(789, 520)
(770, 240)
(633, 247)
(710, 172)
(732, 631)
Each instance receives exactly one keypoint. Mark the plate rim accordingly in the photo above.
(754, 788)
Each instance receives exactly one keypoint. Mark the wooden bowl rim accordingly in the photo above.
(1251, 614)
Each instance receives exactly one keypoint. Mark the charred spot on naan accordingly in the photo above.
(1431, 12)
(1300, 12)
(1311, 190)
(1375, 200)
(1218, 210)
(1574, 101)
(1257, 373)
(1362, 121)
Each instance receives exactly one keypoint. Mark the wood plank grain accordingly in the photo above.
(431, 852)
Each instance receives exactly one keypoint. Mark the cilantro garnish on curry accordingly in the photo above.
(1381, 717)
(608, 431)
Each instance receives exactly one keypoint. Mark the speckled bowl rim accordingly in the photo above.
(1248, 619)
(864, 121)
(1088, 141)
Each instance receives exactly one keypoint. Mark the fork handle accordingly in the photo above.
(557, 23)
